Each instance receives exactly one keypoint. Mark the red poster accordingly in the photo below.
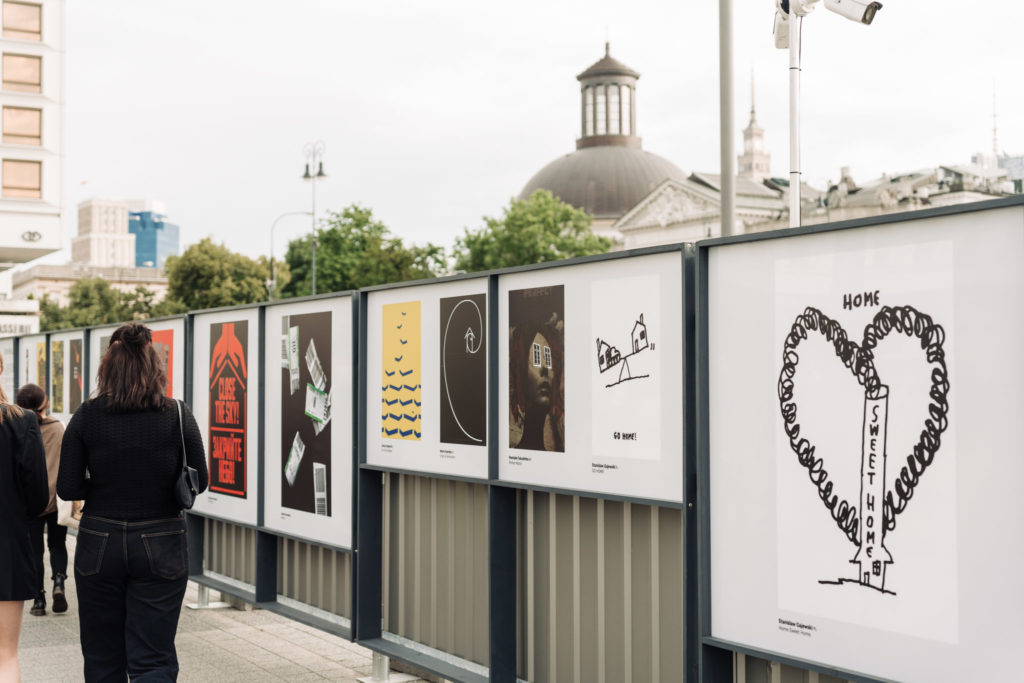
(163, 342)
(228, 379)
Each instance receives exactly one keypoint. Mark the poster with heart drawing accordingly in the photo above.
(865, 447)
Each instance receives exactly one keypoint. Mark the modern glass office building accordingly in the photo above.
(155, 238)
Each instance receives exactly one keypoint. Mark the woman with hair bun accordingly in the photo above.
(122, 456)
(23, 495)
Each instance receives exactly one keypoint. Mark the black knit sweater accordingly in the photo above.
(133, 460)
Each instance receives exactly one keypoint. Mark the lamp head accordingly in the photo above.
(306, 175)
(320, 173)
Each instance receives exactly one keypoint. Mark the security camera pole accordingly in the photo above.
(793, 12)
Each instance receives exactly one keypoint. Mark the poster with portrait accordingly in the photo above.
(7, 366)
(859, 403)
(590, 377)
(225, 404)
(66, 373)
(168, 340)
(427, 378)
(309, 420)
(32, 362)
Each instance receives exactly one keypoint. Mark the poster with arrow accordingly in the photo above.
(463, 360)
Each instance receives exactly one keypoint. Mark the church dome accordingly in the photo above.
(609, 173)
(605, 181)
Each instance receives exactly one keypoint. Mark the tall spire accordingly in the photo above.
(754, 163)
(753, 113)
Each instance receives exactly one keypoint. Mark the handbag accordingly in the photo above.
(69, 512)
(186, 487)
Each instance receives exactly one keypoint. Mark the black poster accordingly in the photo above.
(306, 412)
(229, 352)
(75, 386)
(536, 363)
(463, 347)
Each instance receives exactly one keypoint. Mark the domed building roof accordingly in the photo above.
(605, 181)
(609, 173)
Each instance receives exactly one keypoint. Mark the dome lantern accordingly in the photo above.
(608, 104)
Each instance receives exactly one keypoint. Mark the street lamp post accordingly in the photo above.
(272, 282)
(314, 159)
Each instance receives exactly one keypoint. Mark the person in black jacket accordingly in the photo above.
(24, 493)
(122, 455)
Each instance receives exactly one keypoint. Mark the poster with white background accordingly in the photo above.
(590, 377)
(67, 373)
(308, 451)
(426, 386)
(225, 402)
(7, 376)
(168, 340)
(32, 361)
(863, 438)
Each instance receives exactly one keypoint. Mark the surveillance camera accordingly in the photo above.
(863, 12)
(780, 30)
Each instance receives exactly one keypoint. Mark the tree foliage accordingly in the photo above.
(209, 275)
(93, 301)
(355, 250)
(540, 228)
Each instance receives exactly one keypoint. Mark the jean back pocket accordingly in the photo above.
(167, 553)
(89, 551)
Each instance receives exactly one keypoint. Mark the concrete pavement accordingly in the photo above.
(216, 645)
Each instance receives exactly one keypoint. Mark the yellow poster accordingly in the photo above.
(40, 363)
(402, 372)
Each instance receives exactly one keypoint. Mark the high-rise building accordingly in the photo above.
(156, 238)
(32, 120)
(103, 238)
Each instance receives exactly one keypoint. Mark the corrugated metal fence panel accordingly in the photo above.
(600, 590)
(230, 550)
(435, 564)
(314, 575)
(750, 669)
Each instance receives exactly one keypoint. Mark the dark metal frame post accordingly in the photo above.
(367, 605)
(266, 543)
(501, 523)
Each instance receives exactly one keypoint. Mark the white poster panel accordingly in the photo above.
(863, 444)
(590, 377)
(225, 402)
(308, 420)
(67, 374)
(7, 374)
(426, 365)
(32, 361)
(168, 340)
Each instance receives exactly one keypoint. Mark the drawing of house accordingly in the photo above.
(607, 355)
(639, 335)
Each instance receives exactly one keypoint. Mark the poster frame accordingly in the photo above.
(66, 336)
(714, 665)
(680, 248)
(254, 517)
(486, 278)
(353, 362)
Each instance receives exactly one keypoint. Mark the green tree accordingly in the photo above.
(540, 228)
(355, 250)
(209, 275)
(93, 301)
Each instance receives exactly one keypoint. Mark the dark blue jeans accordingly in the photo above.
(131, 579)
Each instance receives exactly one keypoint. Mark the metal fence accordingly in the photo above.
(476, 578)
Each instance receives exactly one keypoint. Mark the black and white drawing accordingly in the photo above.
(887, 480)
(609, 357)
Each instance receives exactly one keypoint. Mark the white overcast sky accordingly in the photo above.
(435, 114)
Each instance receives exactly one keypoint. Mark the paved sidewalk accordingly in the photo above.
(215, 645)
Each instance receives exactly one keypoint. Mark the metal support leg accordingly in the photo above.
(203, 600)
(381, 667)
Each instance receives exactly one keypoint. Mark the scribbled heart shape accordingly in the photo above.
(859, 359)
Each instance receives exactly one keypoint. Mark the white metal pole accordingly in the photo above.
(728, 135)
(314, 225)
(794, 114)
